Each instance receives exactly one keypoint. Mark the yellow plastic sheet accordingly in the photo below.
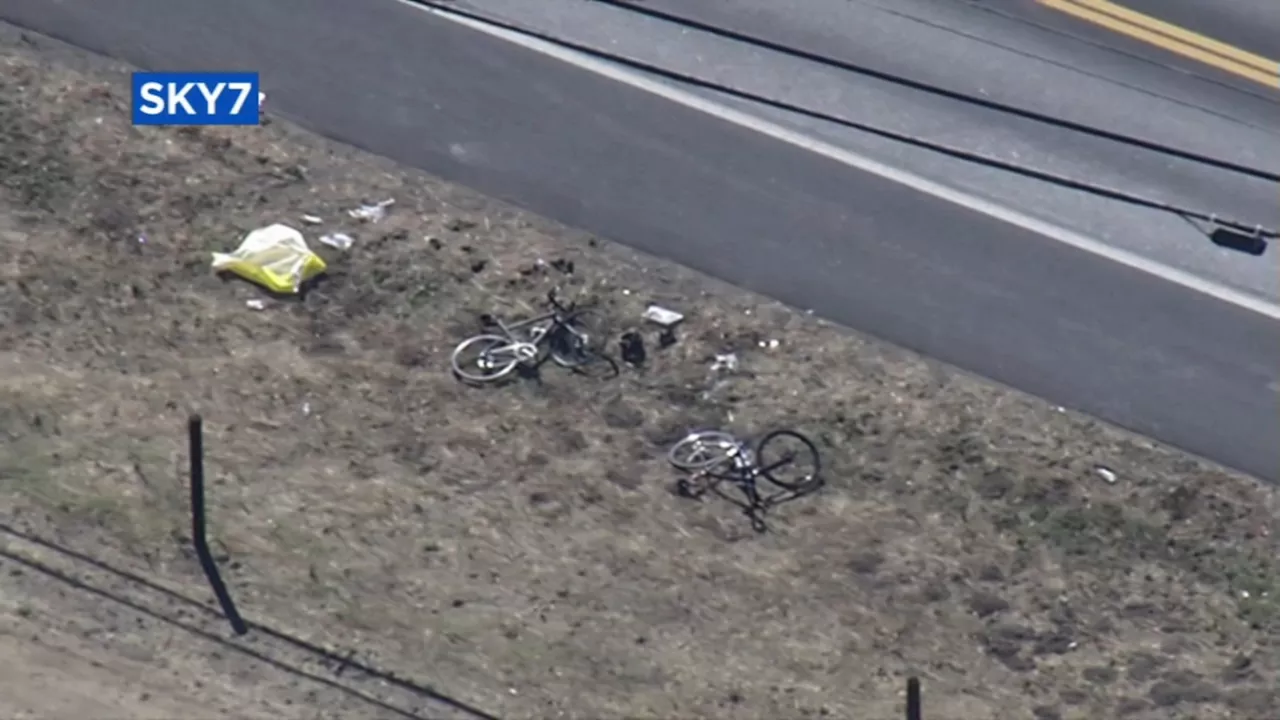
(275, 257)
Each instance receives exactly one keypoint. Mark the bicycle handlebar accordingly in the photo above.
(554, 300)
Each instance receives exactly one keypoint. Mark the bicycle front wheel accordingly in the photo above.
(788, 459)
(703, 450)
(485, 358)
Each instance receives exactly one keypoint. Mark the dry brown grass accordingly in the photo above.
(518, 547)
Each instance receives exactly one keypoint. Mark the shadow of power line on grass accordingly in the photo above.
(340, 662)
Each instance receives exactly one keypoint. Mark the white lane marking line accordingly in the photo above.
(603, 68)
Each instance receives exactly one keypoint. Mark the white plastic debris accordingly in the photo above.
(662, 316)
(256, 304)
(342, 241)
(770, 344)
(727, 362)
(312, 219)
(372, 213)
(1105, 473)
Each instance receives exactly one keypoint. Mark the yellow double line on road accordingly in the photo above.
(1172, 38)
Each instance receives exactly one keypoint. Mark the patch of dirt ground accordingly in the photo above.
(518, 548)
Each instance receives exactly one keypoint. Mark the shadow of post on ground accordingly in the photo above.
(340, 662)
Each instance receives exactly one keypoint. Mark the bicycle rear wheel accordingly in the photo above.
(484, 358)
(703, 450)
(788, 459)
(578, 341)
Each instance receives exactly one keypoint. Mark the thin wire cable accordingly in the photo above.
(1024, 113)
(1071, 68)
(981, 7)
(1111, 193)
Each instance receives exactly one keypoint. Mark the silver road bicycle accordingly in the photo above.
(563, 335)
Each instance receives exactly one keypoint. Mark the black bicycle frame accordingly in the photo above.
(509, 330)
(745, 478)
(560, 316)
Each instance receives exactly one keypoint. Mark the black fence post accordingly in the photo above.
(199, 533)
(913, 699)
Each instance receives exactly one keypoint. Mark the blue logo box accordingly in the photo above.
(195, 98)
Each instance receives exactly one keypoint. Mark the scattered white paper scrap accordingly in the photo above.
(372, 213)
(662, 316)
(1105, 473)
(256, 304)
(727, 362)
(312, 219)
(342, 241)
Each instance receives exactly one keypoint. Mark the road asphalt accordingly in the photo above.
(930, 275)
(1016, 52)
(1251, 25)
